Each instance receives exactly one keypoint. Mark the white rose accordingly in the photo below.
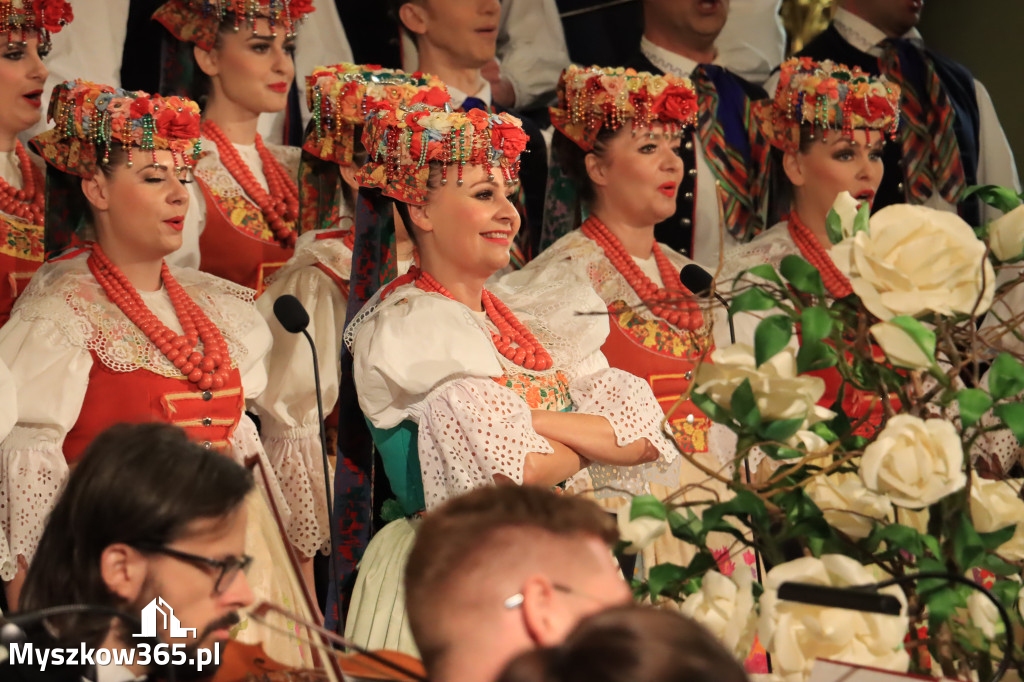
(846, 207)
(912, 518)
(796, 634)
(847, 504)
(914, 260)
(995, 505)
(1006, 235)
(725, 606)
(779, 391)
(901, 350)
(914, 461)
(984, 615)
(639, 532)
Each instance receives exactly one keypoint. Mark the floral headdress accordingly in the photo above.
(87, 115)
(340, 96)
(197, 21)
(43, 16)
(401, 143)
(826, 95)
(590, 100)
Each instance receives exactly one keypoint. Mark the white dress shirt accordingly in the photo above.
(753, 42)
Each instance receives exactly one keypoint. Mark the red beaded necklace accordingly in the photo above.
(683, 313)
(28, 203)
(835, 281)
(209, 369)
(513, 340)
(280, 206)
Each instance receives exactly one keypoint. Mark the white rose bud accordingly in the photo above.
(995, 505)
(798, 634)
(1006, 235)
(899, 347)
(725, 606)
(915, 462)
(915, 260)
(846, 207)
(984, 615)
(847, 504)
(639, 532)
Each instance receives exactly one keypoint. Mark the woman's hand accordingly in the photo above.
(592, 437)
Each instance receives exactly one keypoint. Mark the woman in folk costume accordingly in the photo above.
(109, 333)
(828, 125)
(461, 388)
(246, 203)
(27, 25)
(618, 133)
(318, 275)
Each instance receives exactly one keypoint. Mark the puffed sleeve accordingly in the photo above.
(50, 377)
(287, 407)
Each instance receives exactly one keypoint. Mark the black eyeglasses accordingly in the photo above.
(229, 568)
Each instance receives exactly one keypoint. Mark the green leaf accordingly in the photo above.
(751, 299)
(861, 223)
(996, 565)
(1006, 591)
(1006, 377)
(1001, 198)
(967, 545)
(765, 271)
(1012, 415)
(896, 536)
(942, 605)
(973, 403)
(782, 430)
(922, 337)
(834, 226)
(771, 336)
(815, 356)
(663, 575)
(647, 505)
(710, 408)
(802, 275)
(744, 406)
(992, 541)
(815, 324)
(822, 429)
(686, 527)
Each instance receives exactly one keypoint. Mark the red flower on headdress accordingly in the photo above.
(509, 138)
(829, 87)
(675, 103)
(53, 14)
(479, 118)
(412, 119)
(140, 107)
(870, 108)
(434, 97)
(300, 8)
(177, 124)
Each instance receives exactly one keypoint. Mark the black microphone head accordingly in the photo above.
(695, 278)
(290, 313)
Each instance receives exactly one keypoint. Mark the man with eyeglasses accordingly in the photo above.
(147, 515)
(504, 569)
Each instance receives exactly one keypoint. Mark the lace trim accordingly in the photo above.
(215, 176)
(331, 252)
(67, 299)
(770, 247)
(299, 468)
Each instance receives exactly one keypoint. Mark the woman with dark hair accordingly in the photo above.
(319, 274)
(243, 225)
(618, 136)
(28, 26)
(827, 124)
(627, 644)
(109, 333)
(462, 389)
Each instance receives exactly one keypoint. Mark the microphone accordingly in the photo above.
(699, 281)
(292, 315)
(867, 598)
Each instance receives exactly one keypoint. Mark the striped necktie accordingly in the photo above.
(931, 155)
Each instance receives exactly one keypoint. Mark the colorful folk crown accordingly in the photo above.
(87, 115)
(198, 21)
(403, 142)
(826, 95)
(42, 16)
(340, 96)
(594, 99)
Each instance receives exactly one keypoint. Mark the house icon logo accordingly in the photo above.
(158, 608)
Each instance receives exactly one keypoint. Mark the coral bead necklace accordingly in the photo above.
(513, 340)
(675, 305)
(29, 203)
(280, 206)
(209, 369)
(835, 281)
